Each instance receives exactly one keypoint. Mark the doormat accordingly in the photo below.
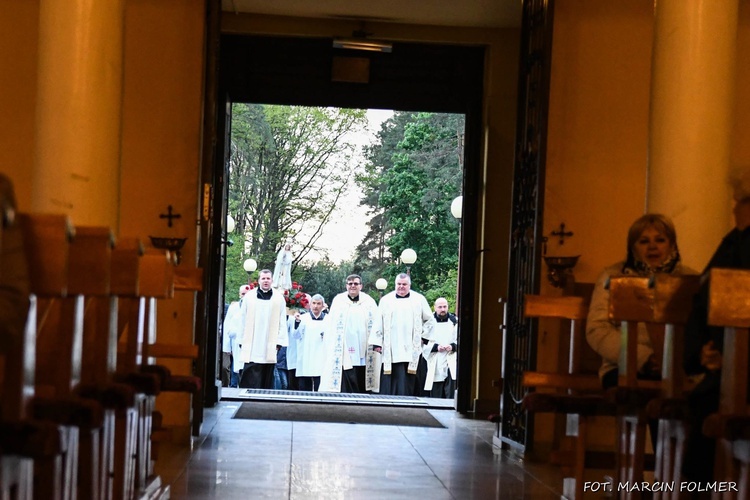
(342, 414)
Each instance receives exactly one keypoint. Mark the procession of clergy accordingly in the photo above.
(397, 347)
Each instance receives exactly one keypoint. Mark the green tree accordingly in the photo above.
(325, 278)
(413, 175)
(288, 167)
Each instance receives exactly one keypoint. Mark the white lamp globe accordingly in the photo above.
(457, 207)
(230, 224)
(408, 256)
(381, 284)
(250, 265)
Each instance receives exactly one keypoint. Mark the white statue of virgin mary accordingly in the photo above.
(282, 273)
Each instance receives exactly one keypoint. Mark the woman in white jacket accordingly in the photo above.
(652, 248)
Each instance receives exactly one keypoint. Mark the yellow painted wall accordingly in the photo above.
(18, 69)
(597, 147)
(161, 141)
(741, 137)
(494, 224)
(598, 128)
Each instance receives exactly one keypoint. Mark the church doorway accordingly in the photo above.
(341, 192)
(435, 79)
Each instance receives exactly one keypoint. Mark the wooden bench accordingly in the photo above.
(99, 362)
(184, 280)
(47, 239)
(631, 303)
(23, 440)
(662, 305)
(172, 279)
(729, 306)
(579, 396)
(133, 429)
(673, 298)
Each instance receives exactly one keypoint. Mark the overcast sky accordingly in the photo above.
(348, 223)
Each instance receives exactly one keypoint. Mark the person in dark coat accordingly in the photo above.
(703, 343)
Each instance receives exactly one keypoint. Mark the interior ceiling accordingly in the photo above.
(461, 13)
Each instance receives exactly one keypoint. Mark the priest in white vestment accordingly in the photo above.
(440, 353)
(349, 365)
(311, 335)
(264, 330)
(406, 319)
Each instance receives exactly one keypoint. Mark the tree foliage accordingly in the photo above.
(288, 167)
(413, 174)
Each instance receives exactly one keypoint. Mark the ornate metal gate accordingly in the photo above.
(526, 225)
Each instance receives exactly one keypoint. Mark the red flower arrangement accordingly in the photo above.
(296, 298)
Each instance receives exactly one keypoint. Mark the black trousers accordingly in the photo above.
(291, 376)
(308, 383)
(257, 376)
(400, 382)
(421, 378)
(353, 380)
(444, 389)
(698, 462)
(226, 369)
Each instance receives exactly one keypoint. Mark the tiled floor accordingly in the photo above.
(242, 459)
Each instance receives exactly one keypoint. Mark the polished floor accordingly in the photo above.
(241, 459)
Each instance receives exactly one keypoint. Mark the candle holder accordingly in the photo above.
(174, 245)
(559, 269)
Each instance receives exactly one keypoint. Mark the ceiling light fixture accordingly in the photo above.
(362, 44)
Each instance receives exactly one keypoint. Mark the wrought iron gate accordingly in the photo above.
(527, 209)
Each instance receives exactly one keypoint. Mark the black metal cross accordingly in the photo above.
(562, 233)
(169, 216)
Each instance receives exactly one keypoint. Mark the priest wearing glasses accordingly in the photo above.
(349, 365)
(407, 318)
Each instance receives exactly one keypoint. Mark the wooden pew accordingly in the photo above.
(189, 280)
(579, 396)
(48, 240)
(100, 357)
(167, 279)
(138, 350)
(156, 270)
(132, 427)
(662, 305)
(22, 439)
(673, 298)
(631, 302)
(729, 306)
(184, 280)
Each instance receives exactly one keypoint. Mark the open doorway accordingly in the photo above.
(339, 192)
(433, 78)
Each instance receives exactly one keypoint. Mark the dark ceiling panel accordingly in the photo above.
(283, 70)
